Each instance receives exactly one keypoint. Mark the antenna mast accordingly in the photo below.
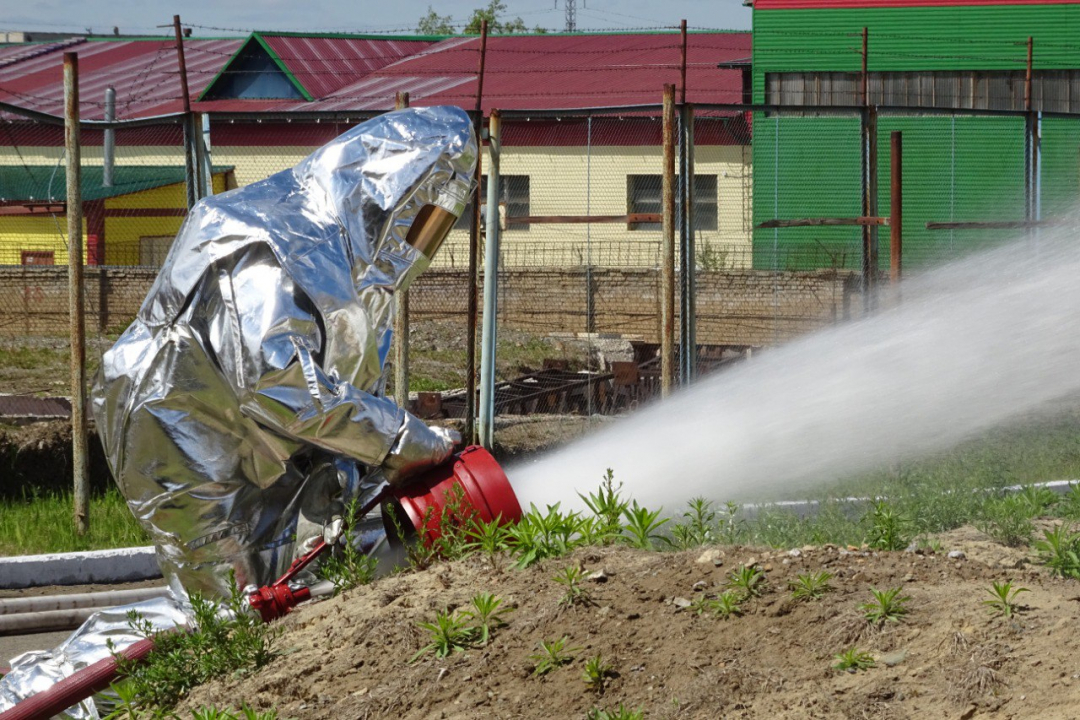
(571, 13)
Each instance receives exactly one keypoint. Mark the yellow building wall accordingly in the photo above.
(562, 181)
(122, 234)
(568, 181)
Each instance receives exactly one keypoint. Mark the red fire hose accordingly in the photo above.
(76, 688)
(483, 486)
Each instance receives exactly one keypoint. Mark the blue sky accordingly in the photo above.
(141, 16)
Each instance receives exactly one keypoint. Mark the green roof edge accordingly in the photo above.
(436, 38)
(257, 37)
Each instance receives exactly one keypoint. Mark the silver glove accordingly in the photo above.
(417, 448)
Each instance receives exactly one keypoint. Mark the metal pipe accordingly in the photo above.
(190, 133)
(682, 64)
(206, 169)
(667, 252)
(491, 282)
(896, 208)
(79, 432)
(401, 318)
(865, 77)
(45, 621)
(688, 252)
(84, 683)
(110, 138)
(474, 251)
(108, 598)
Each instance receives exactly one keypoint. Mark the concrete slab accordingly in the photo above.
(79, 568)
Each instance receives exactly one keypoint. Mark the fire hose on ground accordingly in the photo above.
(472, 479)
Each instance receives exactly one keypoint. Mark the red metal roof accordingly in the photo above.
(324, 64)
(347, 73)
(143, 72)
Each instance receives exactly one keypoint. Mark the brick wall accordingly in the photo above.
(741, 307)
(34, 300)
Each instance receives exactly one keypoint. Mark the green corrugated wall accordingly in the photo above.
(967, 168)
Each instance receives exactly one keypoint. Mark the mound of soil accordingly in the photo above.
(36, 458)
(348, 657)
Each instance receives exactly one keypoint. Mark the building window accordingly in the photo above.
(513, 195)
(1052, 90)
(643, 196)
(38, 257)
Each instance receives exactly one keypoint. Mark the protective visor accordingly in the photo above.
(434, 221)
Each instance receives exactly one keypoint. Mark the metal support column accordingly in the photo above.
(79, 434)
(687, 249)
(491, 286)
(474, 252)
(401, 318)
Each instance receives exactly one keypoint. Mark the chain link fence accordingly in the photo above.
(777, 249)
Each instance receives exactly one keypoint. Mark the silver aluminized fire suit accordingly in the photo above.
(244, 405)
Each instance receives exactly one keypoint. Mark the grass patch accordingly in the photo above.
(30, 358)
(227, 640)
(44, 524)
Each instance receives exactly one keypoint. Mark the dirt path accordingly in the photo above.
(348, 657)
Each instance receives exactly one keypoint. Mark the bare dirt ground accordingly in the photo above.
(348, 657)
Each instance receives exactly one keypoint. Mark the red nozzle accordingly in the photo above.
(484, 489)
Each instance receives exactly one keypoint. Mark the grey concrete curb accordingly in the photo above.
(104, 567)
(806, 508)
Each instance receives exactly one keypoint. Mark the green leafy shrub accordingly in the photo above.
(1059, 550)
(853, 659)
(887, 606)
(749, 580)
(811, 586)
(698, 526)
(553, 654)
(888, 528)
(1007, 520)
(224, 640)
(1004, 598)
(596, 673)
(575, 594)
(620, 713)
(642, 526)
(607, 505)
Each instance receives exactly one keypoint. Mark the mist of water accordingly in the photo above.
(971, 345)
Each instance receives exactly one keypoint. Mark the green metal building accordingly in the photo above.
(942, 61)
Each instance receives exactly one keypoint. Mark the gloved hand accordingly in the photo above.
(417, 448)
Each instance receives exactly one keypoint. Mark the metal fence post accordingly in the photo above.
(491, 280)
(667, 251)
(688, 252)
(896, 210)
(401, 318)
(80, 475)
(191, 160)
(474, 251)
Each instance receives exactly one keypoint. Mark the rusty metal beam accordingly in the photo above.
(145, 212)
(817, 222)
(994, 225)
(36, 209)
(628, 219)
(667, 252)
